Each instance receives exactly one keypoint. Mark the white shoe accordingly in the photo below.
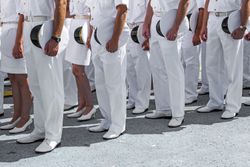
(88, 116)
(228, 115)
(111, 135)
(76, 114)
(98, 129)
(1, 113)
(176, 122)
(202, 91)
(247, 103)
(92, 88)
(130, 106)
(191, 100)
(69, 107)
(22, 129)
(207, 109)
(139, 111)
(10, 125)
(31, 138)
(159, 114)
(46, 146)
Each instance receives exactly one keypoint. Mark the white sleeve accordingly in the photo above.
(200, 3)
(121, 2)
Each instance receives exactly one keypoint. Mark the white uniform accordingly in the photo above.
(138, 70)
(190, 55)
(2, 75)
(246, 74)
(9, 18)
(45, 74)
(110, 70)
(69, 83)
(166, 65)
(223, 52)
(76, 53)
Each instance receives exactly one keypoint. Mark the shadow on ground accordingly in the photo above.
(75, 134)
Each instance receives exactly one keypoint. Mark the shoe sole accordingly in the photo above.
(191, 102)
(176, 126)
(141, 112)
(231, 117)
(72, 107)
(163, 117)
(243, 104)
(215, 110)
(58, 145)
(30, 142)
(98, 131)
(114, 137)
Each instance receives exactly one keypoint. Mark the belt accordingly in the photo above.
(11, 22)
(221, 14)
(84, 17)
(36, 18)
(132, 25)
(158, 14)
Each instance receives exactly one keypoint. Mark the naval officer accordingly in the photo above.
(45, 72)
(165, 60)
(224, 50)
(138, 69)
(14, 64)
(191, 50)
(110, 65)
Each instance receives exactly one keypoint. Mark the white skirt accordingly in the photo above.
(76, 53)
(8, 63)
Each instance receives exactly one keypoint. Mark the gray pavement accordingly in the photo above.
(203, 141)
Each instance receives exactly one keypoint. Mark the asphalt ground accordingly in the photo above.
(204, 140)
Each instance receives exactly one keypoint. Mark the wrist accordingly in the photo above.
(243, 28)
(56, 39)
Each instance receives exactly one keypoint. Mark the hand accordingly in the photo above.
(172, 33)
(247, 37)
(145, 45)
(196, 39)
(88, 43)
(203, 34)
(238, 34)
(112, 45)
(146, 31)
(17, 51)
(51, 48)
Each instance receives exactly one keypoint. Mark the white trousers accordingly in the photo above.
(110, 74)
(190, 56)
(2, 76)
(46, 84)
(138, 75)
(246, 65)
(168, 73)
(69, 83)
(204, 80)
(70, 88)
(224, 52)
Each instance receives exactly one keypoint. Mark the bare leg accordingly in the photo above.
(25, 98)
(16, 97)
(84, 90)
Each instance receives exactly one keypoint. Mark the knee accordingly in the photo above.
(77, 71)
(12, 78)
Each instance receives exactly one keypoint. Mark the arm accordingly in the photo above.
(196, 38)
(112, 45)
(147, 21)
(52, 47)
(181, 14)
(245, 12)
(18, 47)
(203, 33)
